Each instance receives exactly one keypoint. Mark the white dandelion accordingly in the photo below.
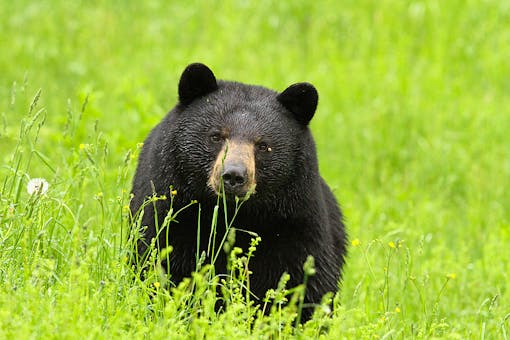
(37, 186)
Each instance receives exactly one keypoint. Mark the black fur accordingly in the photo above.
(293, 210)
(197, 80)
(300, 99)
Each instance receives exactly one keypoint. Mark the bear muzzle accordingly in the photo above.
(235, 169)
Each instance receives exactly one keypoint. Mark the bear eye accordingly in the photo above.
(263, 146)
(216, 137)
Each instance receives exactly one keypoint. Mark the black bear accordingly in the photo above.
(228, 138)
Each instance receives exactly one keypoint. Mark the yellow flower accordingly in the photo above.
(82, 146)
(451, 276)
(156, 284)
(356, 242)
(139, 145)
(174, 192)
(392, 244)
(397, 310)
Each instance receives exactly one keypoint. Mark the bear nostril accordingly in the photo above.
(234, 176)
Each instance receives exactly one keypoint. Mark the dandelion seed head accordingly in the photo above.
(37, 186)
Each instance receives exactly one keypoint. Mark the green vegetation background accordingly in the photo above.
(412, 132)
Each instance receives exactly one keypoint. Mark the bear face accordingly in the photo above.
(243, 137)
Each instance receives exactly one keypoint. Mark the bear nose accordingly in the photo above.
(234, 176)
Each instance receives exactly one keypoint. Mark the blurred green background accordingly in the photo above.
(411, 130)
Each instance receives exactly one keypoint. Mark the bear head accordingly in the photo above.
(238, 139)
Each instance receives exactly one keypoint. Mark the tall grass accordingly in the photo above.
(411, 133)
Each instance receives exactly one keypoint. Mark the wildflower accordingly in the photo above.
(139, 145)
(309, 266)
(85, 146)
(356, 242)
(37, 186)
(392, 244)
(451, 276)
(157, 284)
(397, 310)
(236, 251)
(173, 192)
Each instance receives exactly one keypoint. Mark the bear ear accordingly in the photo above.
(300, 99)
(196, 81)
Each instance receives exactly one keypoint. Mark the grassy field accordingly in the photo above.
(410, 131)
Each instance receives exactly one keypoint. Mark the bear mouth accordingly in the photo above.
(231, 193)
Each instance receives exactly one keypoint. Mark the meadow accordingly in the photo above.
(410, 132)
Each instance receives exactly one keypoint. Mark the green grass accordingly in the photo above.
(410, 131)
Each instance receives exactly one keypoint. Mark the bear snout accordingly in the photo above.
(235, 167)
(234, 176)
